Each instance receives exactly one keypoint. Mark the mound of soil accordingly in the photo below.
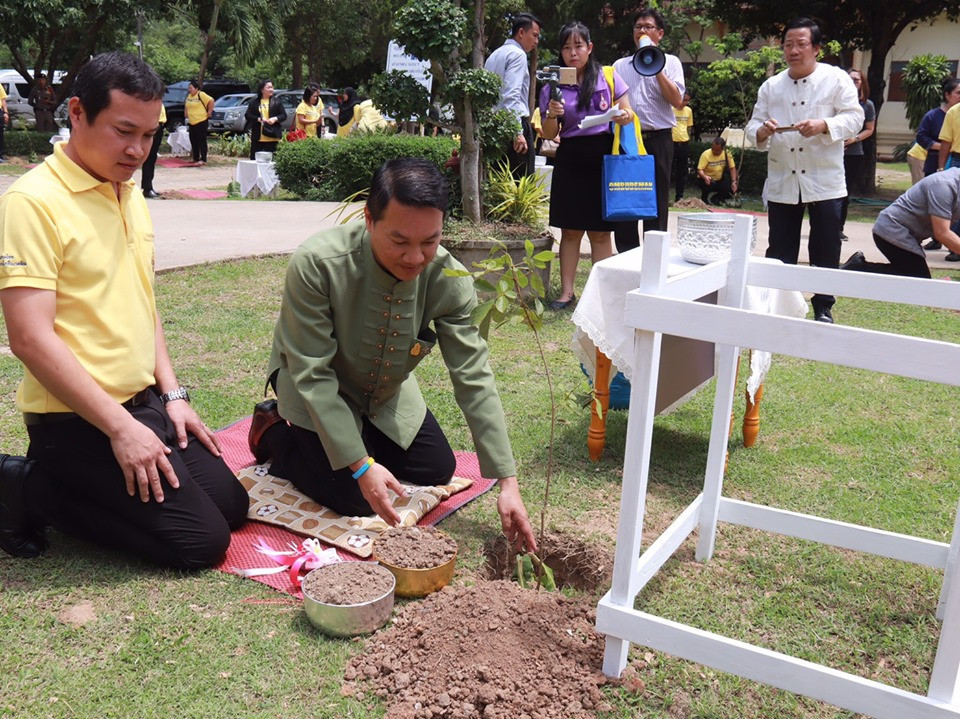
(414, 547)
(348, 583)
(492, 651)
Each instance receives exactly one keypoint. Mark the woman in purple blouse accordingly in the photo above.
(576, 191)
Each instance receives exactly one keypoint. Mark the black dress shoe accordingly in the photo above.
(151, 194)
(856, 262)
(843, 237)
(823, 315)
(952, 257)
(19, 536)
(265, 415)
(933, 245)
(558, 305)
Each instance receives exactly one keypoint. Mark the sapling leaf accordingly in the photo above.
(545, 256)
(528, 246)
(536, 282)
(483, 285)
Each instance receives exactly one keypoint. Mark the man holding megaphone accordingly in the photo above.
(656, 87)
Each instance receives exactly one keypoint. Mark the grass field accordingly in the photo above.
(90, 633)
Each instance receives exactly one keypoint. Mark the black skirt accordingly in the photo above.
(577, 184)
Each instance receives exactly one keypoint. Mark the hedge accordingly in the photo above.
(331, 170)
(23, 143)
(752, 170)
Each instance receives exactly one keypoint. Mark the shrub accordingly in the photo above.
(752, 168)
(331, 170)
(23, 143)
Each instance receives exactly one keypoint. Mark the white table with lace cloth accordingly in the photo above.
(602, 342)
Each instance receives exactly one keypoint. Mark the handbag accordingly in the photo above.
(275, 130)
(629, 183)
(296, 134)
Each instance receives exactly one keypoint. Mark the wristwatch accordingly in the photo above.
(178, 393)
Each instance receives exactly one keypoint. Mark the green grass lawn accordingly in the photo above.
(89, 633)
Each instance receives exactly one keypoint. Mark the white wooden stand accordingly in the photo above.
(666, 306)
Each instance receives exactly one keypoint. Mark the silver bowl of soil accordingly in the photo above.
(348, 598)
(421, 558)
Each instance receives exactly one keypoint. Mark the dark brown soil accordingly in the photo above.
(348, 583)
(414, 547)
(490, 651)
(576, 564)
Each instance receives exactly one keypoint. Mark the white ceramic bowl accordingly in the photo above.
(707, 236)
(263, 156)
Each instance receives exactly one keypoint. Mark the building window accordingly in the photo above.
(895, 91)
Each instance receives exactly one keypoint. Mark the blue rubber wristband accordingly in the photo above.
(366, 465)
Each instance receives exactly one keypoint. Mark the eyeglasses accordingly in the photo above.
(801, 45)
(645, 28)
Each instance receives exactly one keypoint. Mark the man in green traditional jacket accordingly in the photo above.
(363, 304)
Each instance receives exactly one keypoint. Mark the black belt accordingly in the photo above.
(32, 419)
(651, 133)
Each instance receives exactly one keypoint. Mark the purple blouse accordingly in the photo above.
(572, 115)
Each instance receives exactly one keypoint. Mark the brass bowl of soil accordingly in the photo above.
(348, 598)
(421, 558)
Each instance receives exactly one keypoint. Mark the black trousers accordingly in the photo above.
(681, 168)
(298, 455)
(721, 189)
(523, 165)
(902, 262)
(852, 170)
(258, 146)
(824, 246)
(198, 141)
(2, 127)
(150, 164)
(658, 143)
(81, 491)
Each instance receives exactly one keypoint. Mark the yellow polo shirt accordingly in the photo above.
(163, 115)
(195, 107)
(63, 230)
(712, 165)
(681, 131)
(311, 112)
(950, 132)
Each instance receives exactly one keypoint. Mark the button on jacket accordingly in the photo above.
(806, 169)
(350, 335)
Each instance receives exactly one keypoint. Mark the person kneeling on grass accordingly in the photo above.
(362, 305)
(117, 456)
(712, 176)
(929, 208)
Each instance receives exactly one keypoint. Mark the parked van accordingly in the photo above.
(18, 89)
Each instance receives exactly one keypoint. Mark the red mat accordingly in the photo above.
(176, 162)
(203, 194)
(242, 553)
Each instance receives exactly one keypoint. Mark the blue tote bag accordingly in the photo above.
(629, 187)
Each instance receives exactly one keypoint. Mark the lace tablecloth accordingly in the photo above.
(179, 141)
(257, 178)
(599, 313)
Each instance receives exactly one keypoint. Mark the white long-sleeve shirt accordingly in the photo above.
(509, 61)
(806, 169)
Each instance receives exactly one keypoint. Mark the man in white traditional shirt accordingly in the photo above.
(801, 118)
(509, 61)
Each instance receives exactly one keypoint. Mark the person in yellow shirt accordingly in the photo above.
(197, 109)
(916, 156)
(310, 111)
(150, 164)
(117, 455)
(712, 176)
(4, 118)
(681, 146)
(950, 139)
(265, 117)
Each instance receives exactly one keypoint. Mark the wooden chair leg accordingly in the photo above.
(751, 419)
(597, 434)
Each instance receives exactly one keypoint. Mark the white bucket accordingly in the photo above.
(263, 156)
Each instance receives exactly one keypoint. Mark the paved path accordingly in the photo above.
(190, 232)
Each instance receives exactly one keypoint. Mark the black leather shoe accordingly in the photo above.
(933, 245)
(19, 537)
(265, 415)
(843, 237)
(558, 305)
(823, 315)
(952, 257)
(151, 194)
(856, 262)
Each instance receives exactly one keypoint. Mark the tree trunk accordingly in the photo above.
(875, 76)
(298, 69)
(470, 165)
(208, 41)
(534, 61)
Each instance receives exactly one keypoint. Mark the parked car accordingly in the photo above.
(228, 113)
(176, 95)
(291, 99)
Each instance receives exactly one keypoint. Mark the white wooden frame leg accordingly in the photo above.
(667, 306)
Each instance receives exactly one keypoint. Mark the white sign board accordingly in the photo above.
(418, 69)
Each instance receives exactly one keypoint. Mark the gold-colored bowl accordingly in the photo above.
(416, 583)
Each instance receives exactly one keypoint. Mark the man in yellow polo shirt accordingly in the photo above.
(712, 176)
(681, 145)
(117, 455)
(4, 118)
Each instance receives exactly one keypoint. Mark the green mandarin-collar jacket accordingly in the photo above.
(349, 336)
